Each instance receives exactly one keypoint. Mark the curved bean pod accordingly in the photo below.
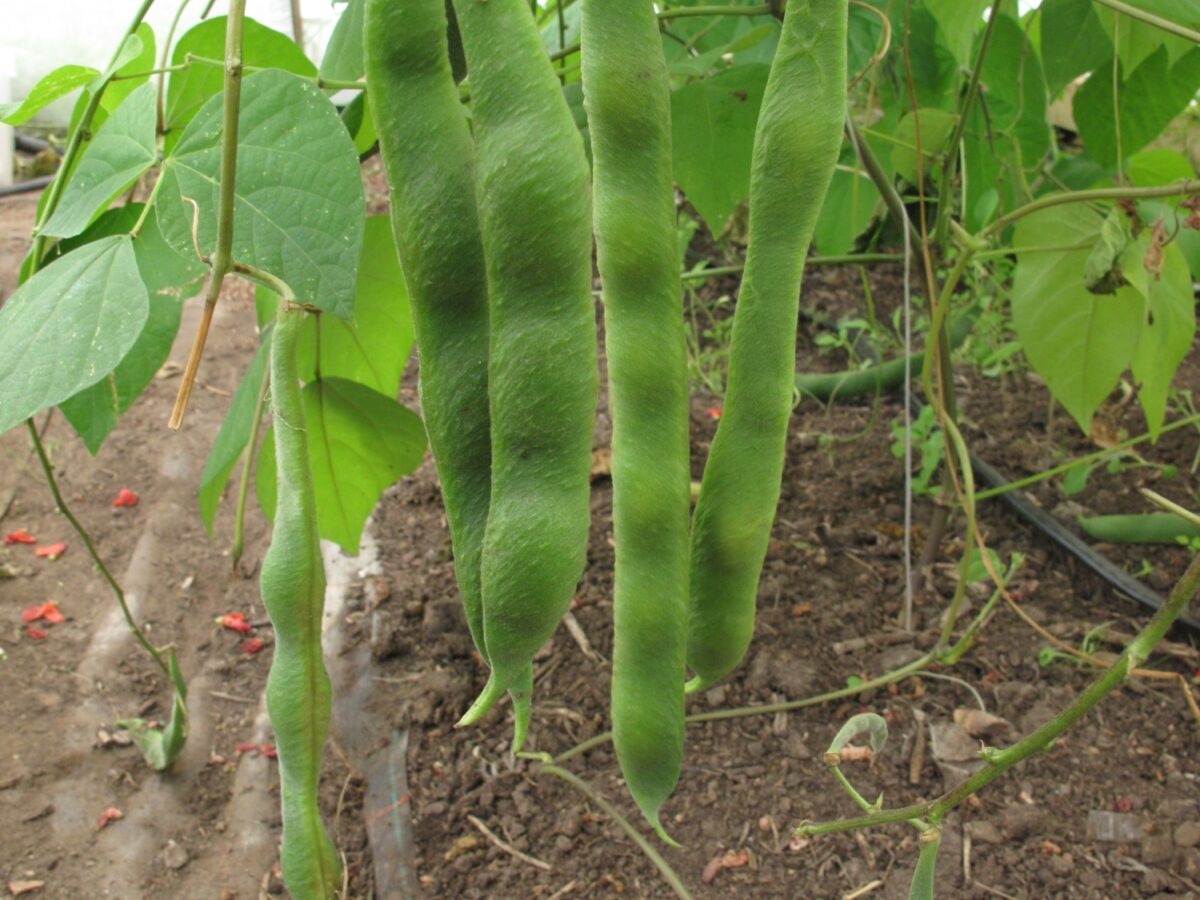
(796, 145)
(627, 91)
(293, 591)
(430, 161)
(535, 213)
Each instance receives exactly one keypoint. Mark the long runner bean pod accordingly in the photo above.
(293, 591)
(535, 212)
(627, 91)
(796, 144)
(429, 156)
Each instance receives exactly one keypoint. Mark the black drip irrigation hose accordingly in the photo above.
(24, 187)
(890, 375)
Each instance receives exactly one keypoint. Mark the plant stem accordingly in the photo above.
(222, 260)
(1188, 186)
(325, 84)
(80, 136)
(1082, 460)
(1149, 18)
(634, 835)
(767, 709)
(239, 514)
(52, 482)
(847, 259)
(999, 762)
(960, 126)
(164, 66)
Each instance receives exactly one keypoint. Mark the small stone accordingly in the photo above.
(173, 856)
(1187, 834)
(1111, 827)
(1177, 809)
(984, 832)
(1157, 849)
(1062, 865)
(715, 697)
(377, 589)
(563, 844)
(1018, 822)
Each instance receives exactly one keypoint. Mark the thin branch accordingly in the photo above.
(508, 848)
(1150, 19)
(1188, 186)
(1000, 761)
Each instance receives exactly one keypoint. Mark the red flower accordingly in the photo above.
(235, 621)
(51, 551)
(126, 497)
(19, 537)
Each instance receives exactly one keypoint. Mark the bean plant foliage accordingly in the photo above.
(1091, 224)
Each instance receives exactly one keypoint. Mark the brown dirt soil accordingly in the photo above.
(404, 666)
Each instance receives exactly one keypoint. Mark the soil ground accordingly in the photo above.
(1112, 810)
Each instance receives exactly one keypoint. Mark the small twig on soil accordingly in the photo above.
(576, 631)
(991, 890)
(916, 763)
(563, 891)
(508, 848)
(221, 695)
(869, 888)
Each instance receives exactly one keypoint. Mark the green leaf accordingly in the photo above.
(298, 204)
(373, 348)
(921, 886)
(872, 725)
(1014, 91)
(849, 208)
(159, 748)
(169, 279)
(187, 91)
(1149, 99)
(68, 326)
(1167, 336)
(1079, 342)
(58, 83)
(936, 126)
(1157, 167)
(122, 150)
(1077, 42)
(360, 443)
(958, 21)
(343, 60)
(234, 434)
(712, 134)
(1138, 40)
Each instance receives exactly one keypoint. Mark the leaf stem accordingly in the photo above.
(848, 259)
(52, 482)
(634, 835)
(222, 260)
(1187, 186)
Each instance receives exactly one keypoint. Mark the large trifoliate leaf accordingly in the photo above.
(298, 204)
(1073, 42)
(68, 326)
(359, 444)
(122, 150)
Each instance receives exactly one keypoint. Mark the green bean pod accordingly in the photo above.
(429, 156)
(293, 591)
(627, 92)
(796, 145)
(535, 212)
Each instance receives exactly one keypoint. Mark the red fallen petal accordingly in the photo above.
(126, 497)
(714, 413)
(33, 613)
(245, 747)
(269, 751)
(19, 537)
(252, 646)
(109, 815)
(52, 614)
(36, 634)
(51, 551)
(235, 621)
(216, 760)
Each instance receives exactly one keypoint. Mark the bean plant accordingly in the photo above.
(517, 137)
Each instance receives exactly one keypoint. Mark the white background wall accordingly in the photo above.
(39, 35)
